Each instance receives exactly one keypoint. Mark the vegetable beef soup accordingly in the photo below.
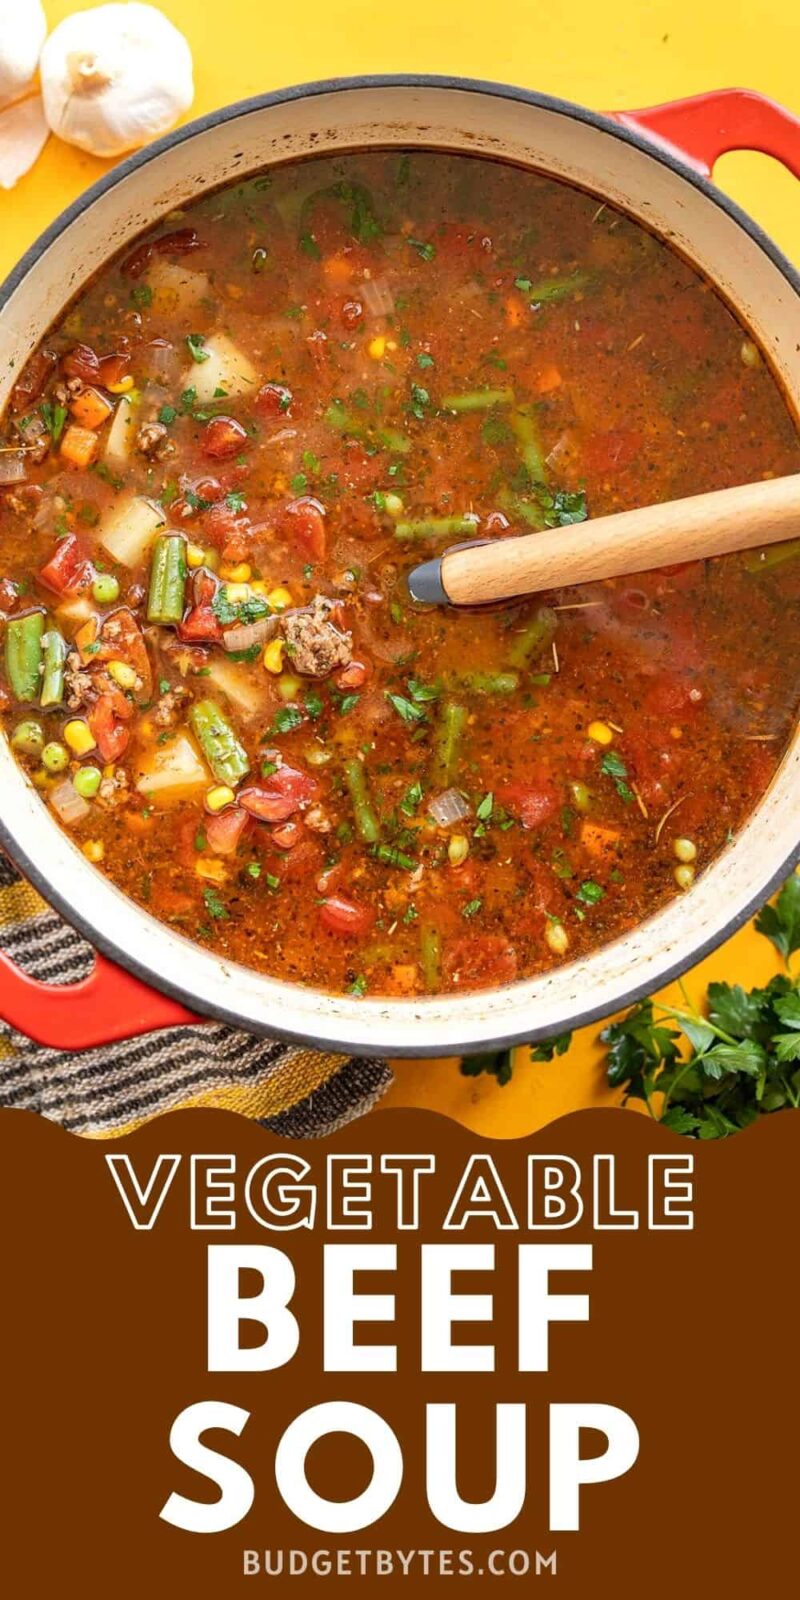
(215, 474)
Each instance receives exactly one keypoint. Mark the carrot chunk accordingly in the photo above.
(597, 841)
(79, 446)
(91, 409)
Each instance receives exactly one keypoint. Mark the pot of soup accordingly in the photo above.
(252, 378)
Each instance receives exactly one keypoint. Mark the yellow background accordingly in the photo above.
(620, 53)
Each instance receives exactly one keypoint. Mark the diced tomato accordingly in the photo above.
(82, 362)
(113, 368)
(608, 453)
(178, 243)
(303, 522)
(479, 961)
(353, 676)
(201, 625)
(222, 437)
(110, 732)
(280, 795)
(287, 835)
(224, 831)
(345, 916)
(672, 697)
(228, 532)
(68, 570)
(8, 595)
(273, 400)
(530, 804)
(351, 313)
(295, 865)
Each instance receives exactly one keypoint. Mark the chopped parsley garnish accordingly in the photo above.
(472, 908)
(405, 708)
(287, 719)
(167, 415)
(412, 799)
(420, 402)
(425, 250)
(613, 766)
(235, 501)
(347, 703)
(314, 704)
(590, 892)
(485, 808)
(299, 483)
(425, 360)
(359, 985)
(214, 905)
(195, 343)
(420, 692)
(253, 869)
(226, 611)
(142, 295)
(54, 416)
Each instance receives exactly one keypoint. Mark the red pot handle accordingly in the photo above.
(109, 1004)
(706, 126)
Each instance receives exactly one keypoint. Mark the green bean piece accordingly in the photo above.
(489, 682)
(761, 560)
(533, 638)
(526, 433)
(478, 400)
(436, 527)
(367, 824)
(166, 599)
(55, 655)
(218, 742)
(550, 289)
(451, 725)
(28, 737)
(528, 511)
(24, 654)
(430, 942)
(337, 416)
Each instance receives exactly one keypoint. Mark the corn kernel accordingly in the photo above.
(289, 686)
(94, 849)
(279, 598)
(393, 505)
(684, 876)
(122, 674)
(195, 555)
(240, 573)
(273, 656)
(600, 733)
(210, 560)
(211, 869)
(557, 938)
(236, 592)
(78, 735)
(123, 387)
(457, 849)
(377, 347)
(258, 586)
(220, 797)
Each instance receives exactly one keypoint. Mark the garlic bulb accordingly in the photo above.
(115, 77)
(23, 30)
(23, 136)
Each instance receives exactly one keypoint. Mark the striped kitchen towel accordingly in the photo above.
(103, 1093)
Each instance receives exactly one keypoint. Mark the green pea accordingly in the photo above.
(87, 781)
(581, 798)
(105, 589)
(28, 738)
(55, 757)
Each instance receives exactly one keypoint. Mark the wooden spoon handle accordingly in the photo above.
(744, 518)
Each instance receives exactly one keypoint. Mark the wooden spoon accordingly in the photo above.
(745, 518)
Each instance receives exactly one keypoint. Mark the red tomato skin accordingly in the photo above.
(530, 804)
(111, 735)
(223, 437)
(68, 570)
(280, 795)
(303, 524)
(225, 830)
(274, 400)
(287, 835)
(345, 917)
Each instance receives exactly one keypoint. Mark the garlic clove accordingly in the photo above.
(23, 135)
(23, 30)
(115, 77)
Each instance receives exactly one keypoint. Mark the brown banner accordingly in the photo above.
(664, 1425)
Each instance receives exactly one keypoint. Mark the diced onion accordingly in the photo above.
(246, 634)
(377, 297)
(448, 808)
(68, 805)
(12, 467)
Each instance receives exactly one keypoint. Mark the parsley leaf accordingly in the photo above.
(195, 343)
(781, 921)
(214, 905)
(405, 708)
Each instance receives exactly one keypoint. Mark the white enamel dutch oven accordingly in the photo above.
(653, 164)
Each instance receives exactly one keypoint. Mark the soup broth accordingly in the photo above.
(215, 474)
